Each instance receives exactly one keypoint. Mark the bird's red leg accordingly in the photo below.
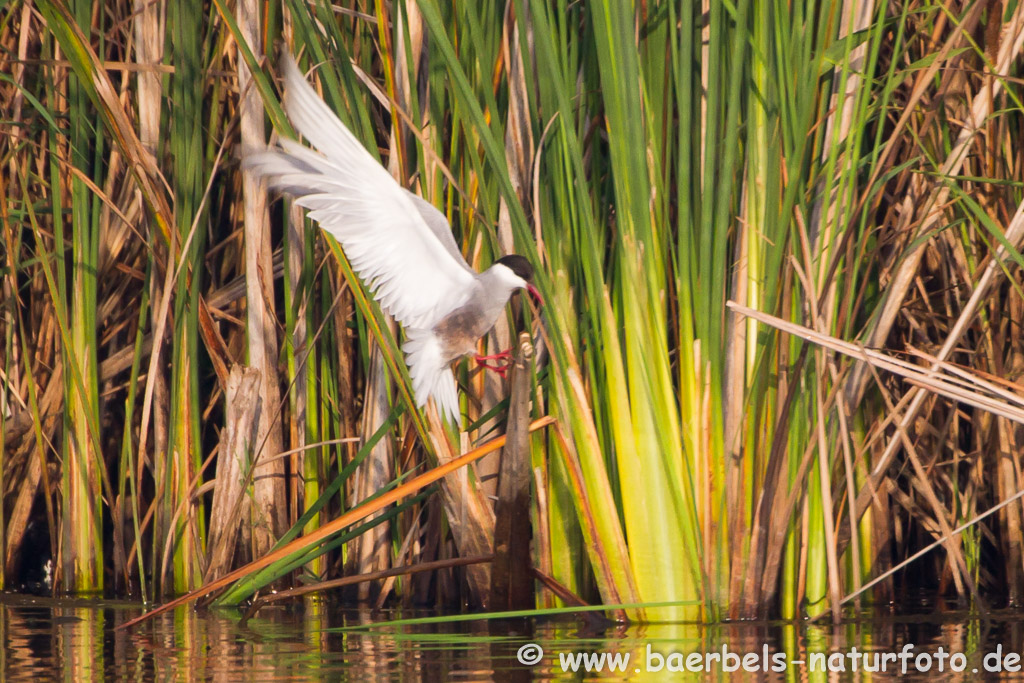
(502, 370)
(505, 356)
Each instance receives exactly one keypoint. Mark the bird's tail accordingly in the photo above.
(431, 374)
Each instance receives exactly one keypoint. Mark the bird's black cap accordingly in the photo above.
(518, 265)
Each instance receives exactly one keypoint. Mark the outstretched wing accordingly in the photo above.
(411, 271)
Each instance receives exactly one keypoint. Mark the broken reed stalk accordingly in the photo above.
(338, 524)
(239, 438)
(511, 570)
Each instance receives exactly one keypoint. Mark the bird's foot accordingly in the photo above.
(505, 358)
(502, 370)
(505, 355)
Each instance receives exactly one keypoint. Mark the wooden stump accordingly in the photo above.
(511, 575)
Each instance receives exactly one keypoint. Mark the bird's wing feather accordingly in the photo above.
(431, 374)
(411, 270)
(438, 224)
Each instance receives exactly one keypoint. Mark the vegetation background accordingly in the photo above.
(851, 168)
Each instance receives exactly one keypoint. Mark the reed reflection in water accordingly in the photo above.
(75, 640)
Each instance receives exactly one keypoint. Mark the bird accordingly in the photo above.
(398, 243)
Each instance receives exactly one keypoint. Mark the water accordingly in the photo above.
(44, 639)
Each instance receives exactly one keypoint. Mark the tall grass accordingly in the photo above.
(846, 165)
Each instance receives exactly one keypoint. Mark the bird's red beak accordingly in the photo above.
(535, 293)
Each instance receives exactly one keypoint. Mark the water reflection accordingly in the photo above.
(75, 640)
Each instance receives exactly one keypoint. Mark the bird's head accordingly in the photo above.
(521, 274)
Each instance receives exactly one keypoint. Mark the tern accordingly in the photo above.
(398, 243)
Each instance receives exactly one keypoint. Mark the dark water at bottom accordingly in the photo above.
(45, 639)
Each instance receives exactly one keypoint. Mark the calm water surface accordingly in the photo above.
(45, 639)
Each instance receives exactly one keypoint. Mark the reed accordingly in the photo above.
(847, 172)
